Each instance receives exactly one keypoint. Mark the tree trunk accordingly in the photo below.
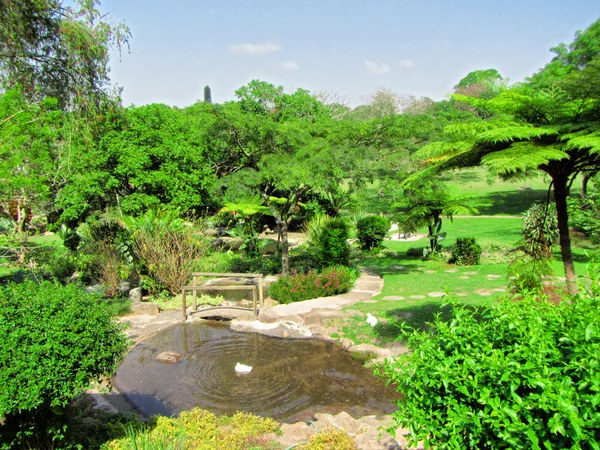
(584, 182)
(562, 216)
(285, 251)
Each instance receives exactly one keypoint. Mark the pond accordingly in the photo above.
(291, 379)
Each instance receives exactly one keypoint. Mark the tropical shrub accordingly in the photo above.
(199, 429)
(371, 231)
(540, 230)
(466, 252)
(54, 340)
(584, 215)
(333, 243)
(314, 227)
(331, 281)
(267, 265)
(518, 374)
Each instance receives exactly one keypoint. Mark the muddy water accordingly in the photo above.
(290, 380)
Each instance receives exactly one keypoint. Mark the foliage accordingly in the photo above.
(527, 274)
(333, 243)
(540, 230)
(584, 215)
(267, 265)
(314, 227)
(518, 374)
(55, 340)
(333, 439)
(371, 231)
(169, 254)
(69, 237)
(466, 252)
(199, 430)
(331, 281)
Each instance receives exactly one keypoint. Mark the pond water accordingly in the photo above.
(290, 380)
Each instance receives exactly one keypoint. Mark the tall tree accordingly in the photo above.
(49, 49)
(555, 129)
(207, 94)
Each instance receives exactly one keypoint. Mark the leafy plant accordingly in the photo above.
(540, 230)
(518, 374)
(69, 237)
(584, 215)
(331, 281)
(314, 228)
(466, 252)
(371, 231)
(333, 243)
(54, 340)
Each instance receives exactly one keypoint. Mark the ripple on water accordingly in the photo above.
(289, 378)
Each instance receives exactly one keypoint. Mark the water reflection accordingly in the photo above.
(290, 380)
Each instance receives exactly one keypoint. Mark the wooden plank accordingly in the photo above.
(220, 288)
(238, 275)
(184, 305)
(195, 294)
(261, 294)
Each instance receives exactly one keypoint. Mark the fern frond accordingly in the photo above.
(590, 141)
(468, 130)
(514, 133)
(442, 149)
(521, 157)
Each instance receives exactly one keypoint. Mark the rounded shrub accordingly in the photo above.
(54, 340)
(371, 231)
(466, 252)
(333, 243)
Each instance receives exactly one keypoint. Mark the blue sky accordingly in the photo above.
(350, 48)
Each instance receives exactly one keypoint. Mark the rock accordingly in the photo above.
(292, 434)
(97, 289)
(346, 343)
(135, 295)
(145, 308)
(285, 333)
(370, 350)
(169, 357)
(125, 287)
(269, 247)
(343, 420)
(226, 242)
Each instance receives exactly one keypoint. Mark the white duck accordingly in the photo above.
(242, 368)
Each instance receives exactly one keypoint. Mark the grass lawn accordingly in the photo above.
(411, 285)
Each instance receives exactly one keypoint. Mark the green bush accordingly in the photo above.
(298, 287)
(540, 230)
(466, 252)
(54, 340)
(584, 215)
(519, 374)
(371, 231)
(267, 265)
(333, 243)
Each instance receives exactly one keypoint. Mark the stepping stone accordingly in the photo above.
(464, 278)
(369, 301)
(493, 276)
(461, 294)
(431, 271)
(452, 270)
(561, 278)
(393, 297)
(470, 273)
(485, 293)
(417, 296)
(436, 294)
(499, 290)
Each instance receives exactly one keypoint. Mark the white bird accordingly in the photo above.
(371, 320)
(242, 368)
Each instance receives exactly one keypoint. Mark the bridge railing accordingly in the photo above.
(257, 290)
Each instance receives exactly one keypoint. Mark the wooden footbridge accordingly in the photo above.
(256, 287)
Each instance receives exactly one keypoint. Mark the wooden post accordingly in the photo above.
(254, 300)
(184, 305)
(195, 294)
(261, 294)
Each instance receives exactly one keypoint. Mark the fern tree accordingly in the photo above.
(554, 129)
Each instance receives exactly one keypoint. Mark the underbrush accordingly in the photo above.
(517, 374)
(331, 281)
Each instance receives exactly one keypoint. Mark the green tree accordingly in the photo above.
(207, 94)
(52, 50)
(555, 129)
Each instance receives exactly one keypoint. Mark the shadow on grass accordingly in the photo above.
(577, 257)
(511, 202)
(417, 317)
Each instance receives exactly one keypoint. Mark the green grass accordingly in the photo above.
(406, 276)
